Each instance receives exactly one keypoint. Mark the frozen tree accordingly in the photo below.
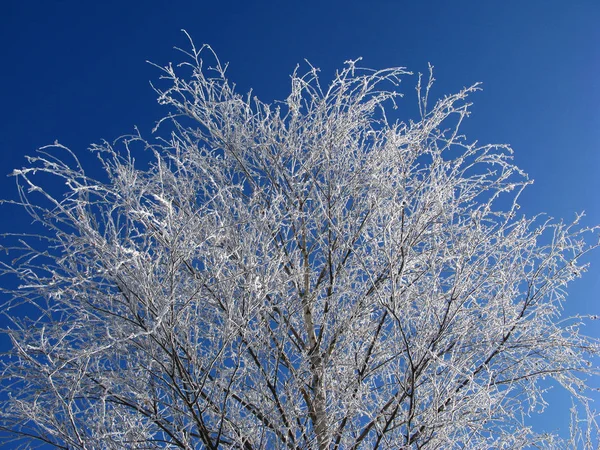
(309, 274)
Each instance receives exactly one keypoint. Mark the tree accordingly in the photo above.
(309, 274)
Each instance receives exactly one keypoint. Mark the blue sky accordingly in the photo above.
(75, 71)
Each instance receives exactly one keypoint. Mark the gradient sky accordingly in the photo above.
(76, 71)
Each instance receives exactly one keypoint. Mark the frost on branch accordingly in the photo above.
(308, 274)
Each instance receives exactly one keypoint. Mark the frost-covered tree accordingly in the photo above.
(311, 274)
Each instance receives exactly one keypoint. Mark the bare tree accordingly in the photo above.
(309, 274)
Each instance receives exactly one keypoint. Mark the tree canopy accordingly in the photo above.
(312, 273)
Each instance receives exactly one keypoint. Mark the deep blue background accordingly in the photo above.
(75, 71)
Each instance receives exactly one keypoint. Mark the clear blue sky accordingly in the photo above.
(75, 71)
